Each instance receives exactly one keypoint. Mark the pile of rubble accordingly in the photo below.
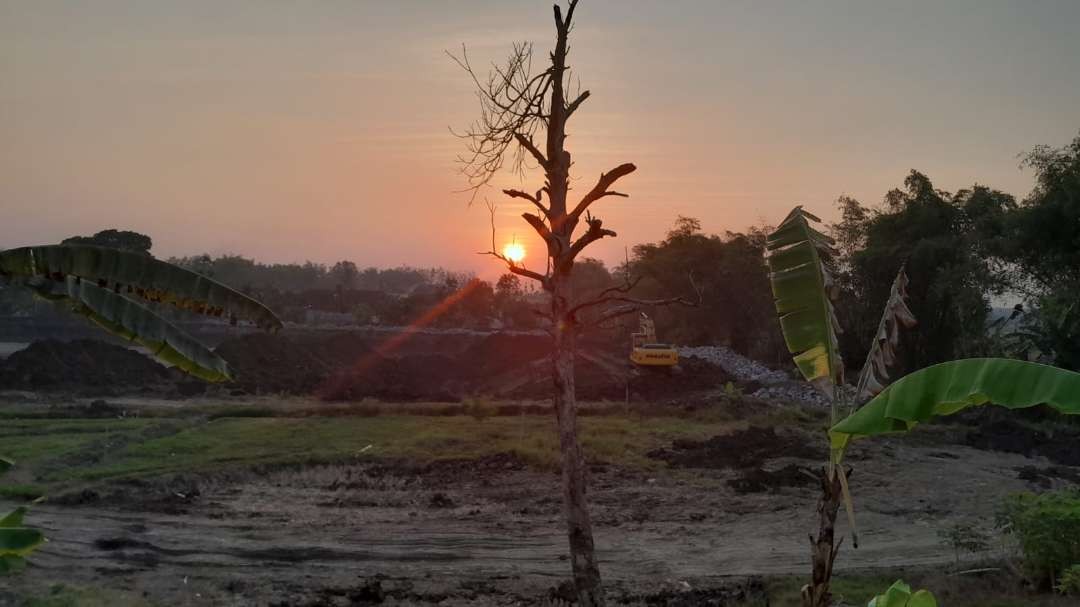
(736, 364)
(778, 385)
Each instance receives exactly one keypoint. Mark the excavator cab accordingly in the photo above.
(645, 351)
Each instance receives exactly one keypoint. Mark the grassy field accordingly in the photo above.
(55, 454)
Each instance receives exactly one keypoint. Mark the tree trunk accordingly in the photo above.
(578, 524)
(823, 549)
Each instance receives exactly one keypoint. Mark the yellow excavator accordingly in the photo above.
(646, 351)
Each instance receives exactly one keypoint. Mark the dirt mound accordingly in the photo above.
(1058, 446)
(274, 363)
(416, 377)
(344, 366)
(1044, 477)
(692, 375)
(753, 591)
(85, 364)
(743, 449)
(501, 353)
(351, 366)
(758, 480)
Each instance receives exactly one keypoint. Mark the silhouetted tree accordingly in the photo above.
(115, 239)
(517, 105)
(942, 239)
(344, 274)
(1041, 241)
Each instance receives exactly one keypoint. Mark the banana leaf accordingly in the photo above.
(900, 595)
(5, 464)
(19, 541)
(138, 276)
(950, 387)
(13, 518)
(130, 320)
(802, 288)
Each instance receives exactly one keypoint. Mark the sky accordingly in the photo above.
(291, 131)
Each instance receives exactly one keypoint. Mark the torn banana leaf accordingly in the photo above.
(875, 375)
(136, 323)
(137, 276)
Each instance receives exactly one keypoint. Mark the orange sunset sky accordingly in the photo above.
(290, 131)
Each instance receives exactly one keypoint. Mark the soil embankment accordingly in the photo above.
(353, 365)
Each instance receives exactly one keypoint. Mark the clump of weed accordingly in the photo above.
(964, 537)
(1070, 581)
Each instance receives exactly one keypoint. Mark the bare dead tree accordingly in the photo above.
(517, 106)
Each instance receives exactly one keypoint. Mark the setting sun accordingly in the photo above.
(514, 252)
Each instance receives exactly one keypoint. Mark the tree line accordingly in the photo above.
(967, 252)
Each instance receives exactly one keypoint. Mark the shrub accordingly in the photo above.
(16, 540)
(1047, 528)
(964, 537)
(1070, 581)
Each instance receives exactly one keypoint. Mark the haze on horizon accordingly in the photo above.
(288, 132)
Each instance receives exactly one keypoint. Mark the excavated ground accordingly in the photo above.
(488, 531)
(350, 366)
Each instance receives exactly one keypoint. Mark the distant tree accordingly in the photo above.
(1041, 240)
(115, 239)
(509, 287)
(344, 274)
(941, 239)
(517, 105)
(731, 270)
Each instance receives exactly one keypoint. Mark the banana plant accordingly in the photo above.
(115, 289)
(16, 540)
(803, 289)
(900, 595)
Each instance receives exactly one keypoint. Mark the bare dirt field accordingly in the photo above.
(696, 508)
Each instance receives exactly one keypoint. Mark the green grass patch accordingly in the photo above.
(53, 450)
(21, 492)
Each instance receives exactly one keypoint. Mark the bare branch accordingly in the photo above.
(601, 188)
(575, 103)
(541, 228)
(527, 143)
(595, 232)
(543, 279)
(536, 199)
(619, 294)
(511, 112)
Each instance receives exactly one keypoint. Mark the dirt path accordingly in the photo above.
(489, 531)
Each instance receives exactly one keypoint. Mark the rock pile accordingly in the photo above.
(779, 385)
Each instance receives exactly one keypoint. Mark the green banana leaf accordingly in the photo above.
(802, 286)
(8, 564)
(5, 464)
(949, 387)
(19, 541)
(134, 322)
(900, 595)
(136, 275)
(13, 518)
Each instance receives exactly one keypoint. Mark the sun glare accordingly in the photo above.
(514, 252)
